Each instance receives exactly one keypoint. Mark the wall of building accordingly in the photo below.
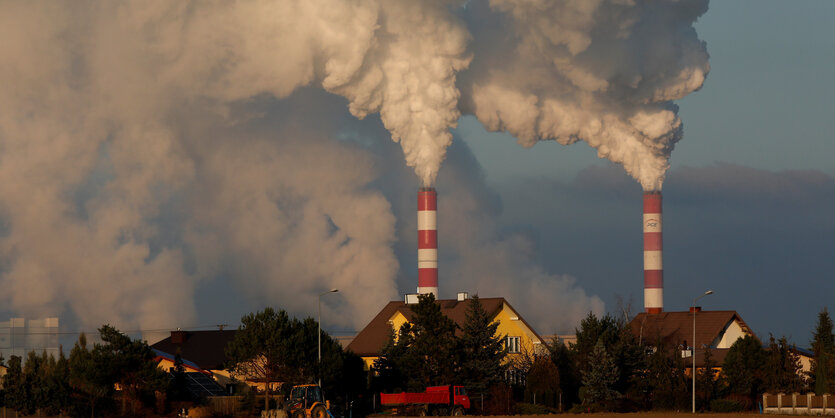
(511, 325)
(733, 332)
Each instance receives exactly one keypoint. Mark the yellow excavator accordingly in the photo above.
(306, 401)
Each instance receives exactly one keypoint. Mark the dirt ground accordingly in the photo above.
(648, 414)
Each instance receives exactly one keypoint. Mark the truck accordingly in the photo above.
(436, 400)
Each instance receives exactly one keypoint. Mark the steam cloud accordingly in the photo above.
(603, 71)
(142, 154)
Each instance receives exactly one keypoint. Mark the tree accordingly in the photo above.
(823, 365)
(600, 377)
(424, 350)
(482, 350)
(707, 384)
(261, 349)
(564, 359)
(131, 365)
(619, 343)
(88, 377)
(743, 369)
(544, 379)
(17, 395)
(271, 347)
(782, 368)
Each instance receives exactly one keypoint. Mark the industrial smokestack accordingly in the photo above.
(427, 241)
(653, 266)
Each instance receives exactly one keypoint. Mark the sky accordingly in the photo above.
(166, 167)
(747, 201)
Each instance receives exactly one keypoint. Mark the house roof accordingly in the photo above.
(373, 337)
(207, 349)
(673, 328)
(159, 355)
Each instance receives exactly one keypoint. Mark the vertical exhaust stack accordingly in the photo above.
(653, 266)
(427, 241)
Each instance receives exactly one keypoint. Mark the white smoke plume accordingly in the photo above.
(601, 71)
(480, 259)
(145, 152)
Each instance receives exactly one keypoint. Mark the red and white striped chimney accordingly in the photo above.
(653, 266)
(427, 241)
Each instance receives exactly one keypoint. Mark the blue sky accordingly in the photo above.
(741, 212)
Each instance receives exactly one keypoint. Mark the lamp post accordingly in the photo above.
(693, 372)
(319, 322)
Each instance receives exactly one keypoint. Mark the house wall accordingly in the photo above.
(732, 333)
(511, 325)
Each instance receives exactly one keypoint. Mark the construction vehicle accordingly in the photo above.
(437, 400)
(306, 401)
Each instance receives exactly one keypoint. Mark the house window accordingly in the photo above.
(515, 377)
(512, 344)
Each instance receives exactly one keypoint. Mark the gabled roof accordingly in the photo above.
(207, 349)
(373, 337)
(673, 328)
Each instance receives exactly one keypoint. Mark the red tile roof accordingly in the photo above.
(373, 337)
(674, 328)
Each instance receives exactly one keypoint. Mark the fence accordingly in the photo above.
(798, 404)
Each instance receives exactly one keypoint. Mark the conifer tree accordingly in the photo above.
(823, 365)
(424, 352)
(782, 367)
(600, 377)
(482, 350)
(434, 343)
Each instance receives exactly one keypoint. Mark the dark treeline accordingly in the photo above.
(606, 369)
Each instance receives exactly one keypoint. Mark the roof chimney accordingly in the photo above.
(178, 337)
(411, 299)
(695, 309)
(462, 296)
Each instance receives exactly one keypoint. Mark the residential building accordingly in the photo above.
(200, 350)
(717, 330)
(520, 338)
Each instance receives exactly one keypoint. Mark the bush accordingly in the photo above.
(725, 405)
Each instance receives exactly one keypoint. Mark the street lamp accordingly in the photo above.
(319, 322)
(693, 372)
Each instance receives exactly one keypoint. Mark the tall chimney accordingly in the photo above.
(427, 241)
(653, 266)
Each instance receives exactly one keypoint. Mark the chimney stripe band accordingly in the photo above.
(427, 200)
(654, 297)
(653, 279)
(428, 254)
(652, 241)
(428, 277)
(428, 238)
(653, 260)
(427, 220)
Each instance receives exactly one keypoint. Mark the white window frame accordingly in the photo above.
(513, 344)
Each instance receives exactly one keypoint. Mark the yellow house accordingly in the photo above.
(520, 337)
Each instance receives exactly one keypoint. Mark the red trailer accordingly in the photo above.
(437, 400)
